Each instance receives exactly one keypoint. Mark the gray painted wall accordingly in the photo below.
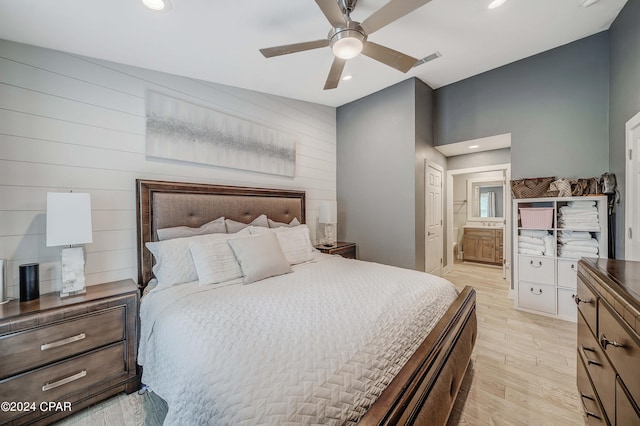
(555, 105)
(382, 146)
(424, 101)
(624, 98)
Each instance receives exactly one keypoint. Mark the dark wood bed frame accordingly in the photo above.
(425, 389)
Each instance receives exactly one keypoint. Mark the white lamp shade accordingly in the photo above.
(328, 212)
(68, 219)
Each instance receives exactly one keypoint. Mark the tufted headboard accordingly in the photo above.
(167, 204)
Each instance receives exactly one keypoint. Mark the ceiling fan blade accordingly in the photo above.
(388, 13)
(332, 12)
(293, 48)
(335, 73)
(388, 56)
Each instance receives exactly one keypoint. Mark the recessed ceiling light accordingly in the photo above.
(496, 3)
(347, 77)
(157, 4)
(587, 3)
(474, 146)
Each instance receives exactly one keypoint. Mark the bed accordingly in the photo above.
(352, 367)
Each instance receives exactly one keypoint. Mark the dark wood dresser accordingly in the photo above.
(74, 351)
(608, 371)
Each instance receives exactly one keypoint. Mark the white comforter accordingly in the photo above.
(316, 346)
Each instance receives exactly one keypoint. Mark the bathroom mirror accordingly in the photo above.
(485, 200)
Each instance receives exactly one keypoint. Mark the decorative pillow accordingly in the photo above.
(274, 224)
(174, 264)
(214, 227)
(214, 259)
(295, 242)
(235, 226)
(260, 257)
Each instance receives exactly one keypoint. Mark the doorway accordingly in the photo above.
(433, 218)
(632, 182)
(461, 205)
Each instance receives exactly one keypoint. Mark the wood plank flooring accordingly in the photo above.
(522, 370)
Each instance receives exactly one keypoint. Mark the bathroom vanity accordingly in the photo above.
(483, 244)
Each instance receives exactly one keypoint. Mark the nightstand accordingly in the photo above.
(77, 350)
(341, 248)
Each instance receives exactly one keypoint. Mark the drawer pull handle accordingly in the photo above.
(584, 407)
(537, 294)
(579, 301)
(589, 361)
(62, 342)
(64, 381)
(606, 342)
(539, 264)
(573, 268)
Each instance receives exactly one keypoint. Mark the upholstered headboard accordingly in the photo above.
(167, 204)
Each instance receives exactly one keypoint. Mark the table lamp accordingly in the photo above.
(69, 223)
(328, 216)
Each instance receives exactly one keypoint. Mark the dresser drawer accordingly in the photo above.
(597, 365)
(536, 269)
(59, 381)
(538, 297)
(33, 348)
(567, 304)
(626, 357)
(627, 412)
(588, 397)
(567, 273)
(587, 303)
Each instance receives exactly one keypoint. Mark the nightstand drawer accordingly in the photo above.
(36, 347)
(63, 379)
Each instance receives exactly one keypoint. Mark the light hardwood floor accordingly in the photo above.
(522, 370)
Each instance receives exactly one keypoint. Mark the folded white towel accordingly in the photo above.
(533, 233)
(531, 240)
(531, 246)
(564, 249)
(575, 235)
(581, 243)
(581, 203)
(576, 254)
(549, 248)
(530, 251)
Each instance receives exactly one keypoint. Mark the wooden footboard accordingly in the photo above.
(425, 389)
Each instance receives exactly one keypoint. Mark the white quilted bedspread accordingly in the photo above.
(316, 346)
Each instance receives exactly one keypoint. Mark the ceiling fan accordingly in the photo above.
(348, 38)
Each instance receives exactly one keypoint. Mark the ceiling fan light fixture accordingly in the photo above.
(347, 47)
(347, 43)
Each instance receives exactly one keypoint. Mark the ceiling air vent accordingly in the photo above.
(426, 59)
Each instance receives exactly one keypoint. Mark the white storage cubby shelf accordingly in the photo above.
(546, 284)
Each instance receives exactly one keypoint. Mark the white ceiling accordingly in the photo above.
(218, 40)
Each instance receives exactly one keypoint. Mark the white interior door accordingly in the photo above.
(433, 219)
(632, 197)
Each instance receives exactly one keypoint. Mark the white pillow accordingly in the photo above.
(214, 227)
(260, 257)
(235, 226)
(174, 264)
(214, 260)
(295, 242)
(274, 224)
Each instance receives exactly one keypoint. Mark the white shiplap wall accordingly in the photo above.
(74, 123)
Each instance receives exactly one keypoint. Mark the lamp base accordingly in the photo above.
(73, 282)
